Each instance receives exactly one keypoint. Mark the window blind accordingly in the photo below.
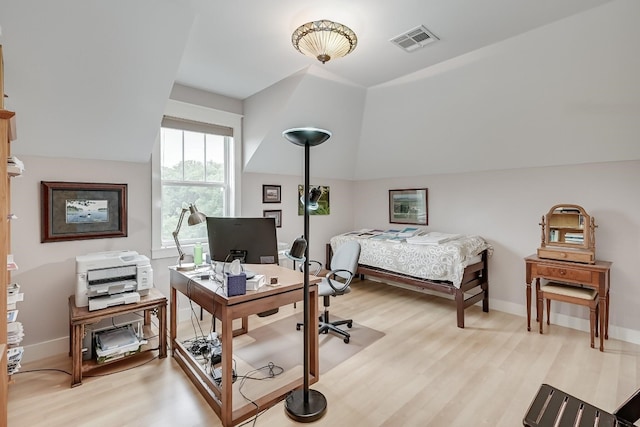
(194, 126)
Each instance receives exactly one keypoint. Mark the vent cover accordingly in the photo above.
(414, 39)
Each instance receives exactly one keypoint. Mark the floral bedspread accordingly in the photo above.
(445, 261)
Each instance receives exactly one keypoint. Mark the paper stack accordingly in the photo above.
(432, 238)
(14, 357)
(116, 343)
(15, 330)
(15, 166)
(15, 333)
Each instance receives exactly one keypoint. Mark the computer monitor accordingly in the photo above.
(252, 240)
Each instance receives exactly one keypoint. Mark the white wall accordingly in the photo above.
(565, 93)
(47, 270)
(321, 227)
(505, 207)
(475, 100)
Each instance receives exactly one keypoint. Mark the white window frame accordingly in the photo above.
(202, 114)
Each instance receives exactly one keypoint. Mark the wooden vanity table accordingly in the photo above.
(595, 276)
(567, 254)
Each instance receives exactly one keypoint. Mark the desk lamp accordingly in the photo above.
(194, 218)
(298, 249)
(314, 196)
(304, 405)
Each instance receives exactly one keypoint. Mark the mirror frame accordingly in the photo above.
(586, 226)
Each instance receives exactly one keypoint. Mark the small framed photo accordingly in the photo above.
(271, 193)
(276, 214)
(408, 206)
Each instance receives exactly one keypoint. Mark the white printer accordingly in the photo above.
(105, 279)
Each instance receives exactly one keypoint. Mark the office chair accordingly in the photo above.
(344, 265)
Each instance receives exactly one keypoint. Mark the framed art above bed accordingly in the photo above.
(409, 206)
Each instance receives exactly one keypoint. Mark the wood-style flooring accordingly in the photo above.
(424, 372)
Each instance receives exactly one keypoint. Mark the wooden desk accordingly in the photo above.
(81, 316)
(211, 296)
(595, 276)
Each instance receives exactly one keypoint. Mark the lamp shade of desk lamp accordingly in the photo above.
(298, 249)
(305, 405)
(195, 217)
(314, 196)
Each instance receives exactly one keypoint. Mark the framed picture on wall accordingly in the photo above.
(82, 210)
(271, 194)
(276, 214)
(408, 206)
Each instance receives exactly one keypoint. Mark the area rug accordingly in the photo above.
(279, 342)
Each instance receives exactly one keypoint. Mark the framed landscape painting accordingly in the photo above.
(271, 194)
(82, 210)
(408, 206)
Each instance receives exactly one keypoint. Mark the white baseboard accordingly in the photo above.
(616, 332)
(45, 349)
(623, 334)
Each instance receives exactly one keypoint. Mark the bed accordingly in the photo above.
(451, 264)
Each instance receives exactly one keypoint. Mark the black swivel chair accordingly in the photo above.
(344, 265)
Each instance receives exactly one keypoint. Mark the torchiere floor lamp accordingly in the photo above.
(306, 405)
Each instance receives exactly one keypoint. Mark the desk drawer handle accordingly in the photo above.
(562, 272)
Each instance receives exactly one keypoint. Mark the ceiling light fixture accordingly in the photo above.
(324, 40)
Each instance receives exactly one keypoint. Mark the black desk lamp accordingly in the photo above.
(306, 405)
(314, 196)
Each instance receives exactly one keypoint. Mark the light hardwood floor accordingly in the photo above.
(424, 372)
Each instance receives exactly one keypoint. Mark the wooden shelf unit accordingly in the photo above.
(6, 126)
(79, 317)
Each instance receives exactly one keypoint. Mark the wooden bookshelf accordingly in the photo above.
(5, 247)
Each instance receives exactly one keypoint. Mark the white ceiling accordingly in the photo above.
(238, 48)
(90, 78)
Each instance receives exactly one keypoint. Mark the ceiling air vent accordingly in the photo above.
(414, 39)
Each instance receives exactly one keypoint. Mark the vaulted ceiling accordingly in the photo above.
(507, 83)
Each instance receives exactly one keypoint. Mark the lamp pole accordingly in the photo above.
(306, 405)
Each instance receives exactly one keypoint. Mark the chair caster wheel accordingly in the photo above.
(349, 325)
(297, 327)
(346, 340)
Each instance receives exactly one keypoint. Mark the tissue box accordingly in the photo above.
(256, 282)
(236, 284)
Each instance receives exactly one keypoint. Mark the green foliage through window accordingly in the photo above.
(193, 171)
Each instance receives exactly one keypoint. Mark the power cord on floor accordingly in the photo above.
(62, 371)
(31, 371)
(272, 371)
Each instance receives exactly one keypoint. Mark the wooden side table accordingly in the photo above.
(81, 316)
(596, 276)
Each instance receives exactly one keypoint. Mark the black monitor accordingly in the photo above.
(252, 240)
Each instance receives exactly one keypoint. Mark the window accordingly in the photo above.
(195, 162)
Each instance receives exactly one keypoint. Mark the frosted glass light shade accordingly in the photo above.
(324, 40)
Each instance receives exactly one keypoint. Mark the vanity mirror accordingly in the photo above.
(568, 234)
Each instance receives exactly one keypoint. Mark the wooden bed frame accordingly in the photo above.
(475, 278)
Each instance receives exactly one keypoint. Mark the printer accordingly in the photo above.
(105, 279)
